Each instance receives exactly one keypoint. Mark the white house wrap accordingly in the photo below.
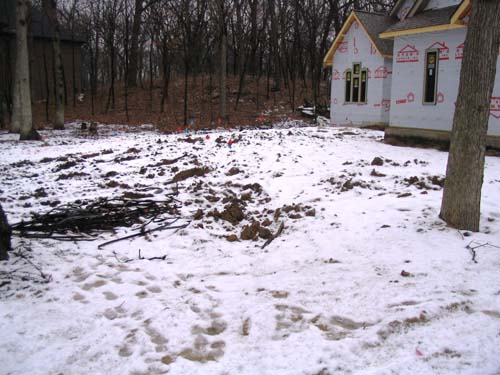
(413, 57)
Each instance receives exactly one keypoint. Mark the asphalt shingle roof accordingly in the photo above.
(376, 23)
(425, 19)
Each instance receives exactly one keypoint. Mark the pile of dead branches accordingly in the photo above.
(84, 221)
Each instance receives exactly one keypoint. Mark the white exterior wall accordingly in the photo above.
(407, 109)
(357, 47)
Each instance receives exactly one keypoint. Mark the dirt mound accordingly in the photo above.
(193, 172)
(233, 213)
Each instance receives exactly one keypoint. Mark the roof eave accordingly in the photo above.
(420, 30)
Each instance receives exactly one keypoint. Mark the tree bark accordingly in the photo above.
(134, 44)
(461, 202)
(223, 77)
(222, 27)
(50, 9)
(275, 46)
(22, 120)
(5, 236)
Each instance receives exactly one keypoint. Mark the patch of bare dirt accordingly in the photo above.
(193, 172)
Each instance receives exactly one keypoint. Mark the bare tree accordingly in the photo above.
(50, 8)
(464, 174)
(22, 120)
(129, 40)
(221, 20)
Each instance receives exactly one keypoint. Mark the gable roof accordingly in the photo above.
(373, 24)
(427, 21)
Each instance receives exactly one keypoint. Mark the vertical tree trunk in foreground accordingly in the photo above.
(461, 202)
(5, 234)
(21, 115)
(50, 9)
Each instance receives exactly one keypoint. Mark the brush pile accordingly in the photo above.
(84, 220)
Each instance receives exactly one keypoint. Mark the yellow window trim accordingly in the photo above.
(429, 29)
(328, 60)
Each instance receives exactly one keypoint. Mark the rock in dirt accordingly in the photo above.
(193, 172)
(198, 215)
(190, 140)
(232, 238)
(404, 195)
(246, 196)
(311, 212)
(111, 174)
(290, 208)
(233, 171)
(135, 195)
(257, 188)
(133, 150)
(266, 223)
(67, 176)
(265, 233)
(374, 173)
(436, 180)
(232, 213)
(40, 193)
(250, 232)
(66, 165)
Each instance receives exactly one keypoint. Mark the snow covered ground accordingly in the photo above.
(327, 296)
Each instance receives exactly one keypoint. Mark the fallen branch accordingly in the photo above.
(473, 248)
(23, 270)
(163, 257)
(143, 232)
(278, 232)
(140, 257)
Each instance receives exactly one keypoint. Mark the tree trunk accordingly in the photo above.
(186, 88)
(464, 174)
(5, 235)
(275, 47)
(134, 45)
(22, 120)
(223, 77)
(151, 73)
(166, 74)
(47, 88)
(50, 9)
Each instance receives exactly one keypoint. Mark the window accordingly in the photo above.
(430, 78)
(364, 79)
(348, 81)
(356, 80)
